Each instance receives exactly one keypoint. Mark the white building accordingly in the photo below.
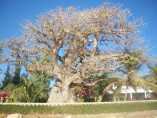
(139, 94)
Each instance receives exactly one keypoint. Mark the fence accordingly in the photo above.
(84, 103)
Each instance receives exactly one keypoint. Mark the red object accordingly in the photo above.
(2, 95)
(90, 95)
(89, 87)
(132, 99)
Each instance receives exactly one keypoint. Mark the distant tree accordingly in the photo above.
(1, 85)
(80, 43)
(7, 77)
(16, 79)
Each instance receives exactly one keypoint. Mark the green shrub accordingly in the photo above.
(79, 109)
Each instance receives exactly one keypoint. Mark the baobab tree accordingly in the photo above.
(79, 43)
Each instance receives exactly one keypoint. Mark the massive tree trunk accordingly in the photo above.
(60, 93)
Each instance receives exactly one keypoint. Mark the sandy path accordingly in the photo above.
(143, 114)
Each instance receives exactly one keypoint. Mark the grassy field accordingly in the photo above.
(78, 109)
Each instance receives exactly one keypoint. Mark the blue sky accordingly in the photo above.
(14, 12)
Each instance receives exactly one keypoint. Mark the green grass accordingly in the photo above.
(79, 109)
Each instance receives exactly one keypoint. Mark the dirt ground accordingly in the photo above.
(143, 114)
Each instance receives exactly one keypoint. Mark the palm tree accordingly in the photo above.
(127, 75)
(29, 91)
(153, 73)
(152, 78)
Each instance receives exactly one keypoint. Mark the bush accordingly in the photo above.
(79, 109)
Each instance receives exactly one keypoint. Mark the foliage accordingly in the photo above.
(153, 74)
(79, 91)
(7, 91)
(29, 91)
(79, 109)
(16, 79)
(44, 79)
(152, 77)
(7, 79)
(100, 84)
(32, 89)
(10, 87)
(83, 93)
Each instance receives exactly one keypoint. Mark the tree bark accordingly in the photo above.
(60, 94)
